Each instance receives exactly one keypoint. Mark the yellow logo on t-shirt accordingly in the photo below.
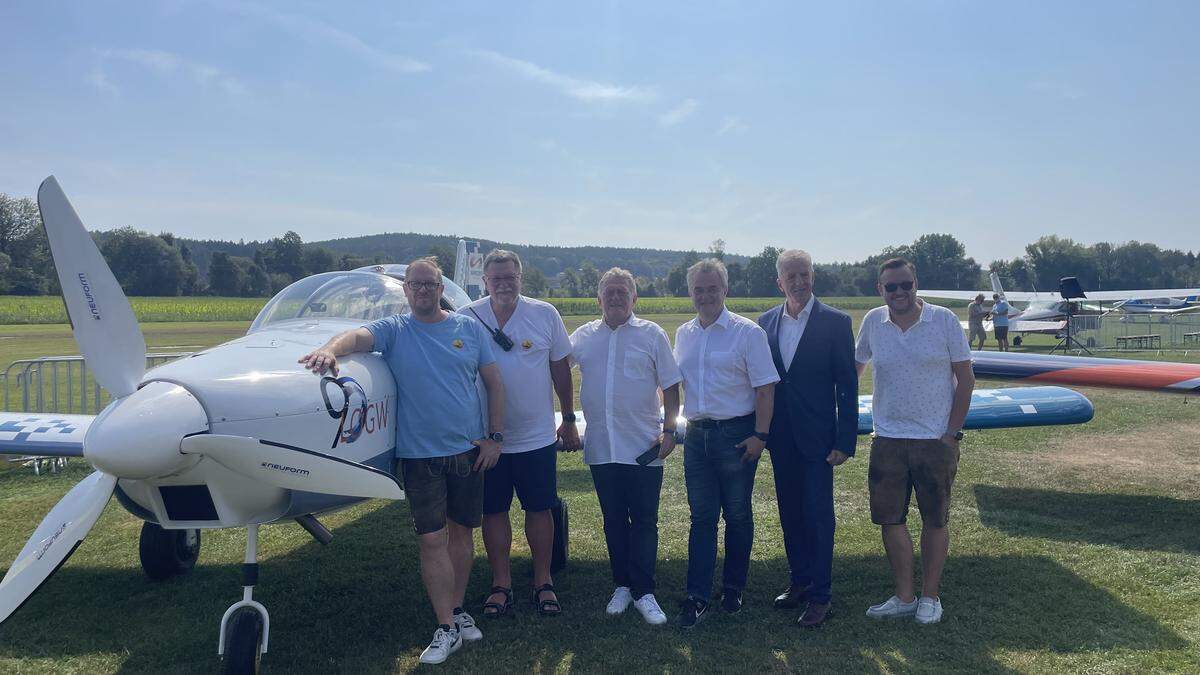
(528, 344)
(457, 344)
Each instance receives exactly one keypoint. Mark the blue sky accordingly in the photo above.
(839, 127)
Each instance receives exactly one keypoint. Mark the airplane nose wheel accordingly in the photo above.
(166, 553)
(246, 624)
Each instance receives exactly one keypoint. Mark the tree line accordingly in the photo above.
(166, 265)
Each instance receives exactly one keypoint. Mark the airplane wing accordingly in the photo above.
(43, 434)
(1139, 294)
(1048, 327)
(1163, 376)
(1011, 296)
(1011, 407)
(990, 409)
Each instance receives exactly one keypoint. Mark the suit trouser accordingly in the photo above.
(629, 501)
(804, 490)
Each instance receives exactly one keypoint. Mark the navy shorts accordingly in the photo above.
(533, 475)
(1001, 332)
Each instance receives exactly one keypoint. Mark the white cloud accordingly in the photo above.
(584, 90)
(733, 125)
(165, 64)
(320, 32)
(679, 113)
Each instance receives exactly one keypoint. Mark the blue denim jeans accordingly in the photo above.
(718, 481)
(629, 502)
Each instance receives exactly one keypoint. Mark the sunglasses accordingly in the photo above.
(891, 288)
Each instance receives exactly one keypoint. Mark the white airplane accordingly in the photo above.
(240, 435)
(1046, 312)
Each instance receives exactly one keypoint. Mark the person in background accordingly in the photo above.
(1000, 311)
(976, 313)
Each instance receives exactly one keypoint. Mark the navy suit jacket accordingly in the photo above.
(816, 399)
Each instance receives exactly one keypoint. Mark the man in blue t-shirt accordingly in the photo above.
(1000, 320)
(441, 445)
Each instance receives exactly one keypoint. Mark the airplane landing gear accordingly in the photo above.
(246, 624)
(166, 553)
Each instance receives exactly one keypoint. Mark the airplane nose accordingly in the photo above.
(138, 436)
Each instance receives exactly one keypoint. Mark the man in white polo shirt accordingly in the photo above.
(729, 383)
(624, 362)
(922, 389)
(533, 353)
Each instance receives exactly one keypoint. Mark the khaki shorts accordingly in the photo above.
(977, 332)
(901, 465)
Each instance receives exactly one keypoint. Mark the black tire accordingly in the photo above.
(1017, 341)
(243, 639)
(166, 553)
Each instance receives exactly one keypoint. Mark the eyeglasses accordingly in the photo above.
(512, 279)
(891, 288)
(423, 285)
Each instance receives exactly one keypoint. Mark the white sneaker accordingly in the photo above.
(620, 601)
(465, 623)
(648, 607)
(446, 641)
(929, 610)
(893, 608)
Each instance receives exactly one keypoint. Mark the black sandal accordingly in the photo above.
(492, 610)
(546, 607)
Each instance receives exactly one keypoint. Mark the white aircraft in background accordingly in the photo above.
(241, 435)
(1047, 312)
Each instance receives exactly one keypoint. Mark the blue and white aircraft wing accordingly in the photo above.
(1011, 407)
(43, 434)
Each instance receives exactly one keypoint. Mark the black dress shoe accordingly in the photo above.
(792, 598)
(815, 614)
(731, 601)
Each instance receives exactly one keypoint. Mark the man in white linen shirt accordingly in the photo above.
(922, 389)
(728, 381)
(533, 356)
(624, 362)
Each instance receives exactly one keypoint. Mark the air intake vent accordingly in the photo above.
(188, 502)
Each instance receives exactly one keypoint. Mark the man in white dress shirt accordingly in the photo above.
(624, 363)
(728, 382)
(922, 389)
(533, 355)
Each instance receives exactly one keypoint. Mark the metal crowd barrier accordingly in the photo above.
(60, 384)
(1178, 331)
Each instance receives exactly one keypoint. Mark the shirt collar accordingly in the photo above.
(804, 312)
(926, 313)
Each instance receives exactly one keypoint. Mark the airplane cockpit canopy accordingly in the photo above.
(351, 296)
(453, 296)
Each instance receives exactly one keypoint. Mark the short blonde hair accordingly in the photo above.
(427, 260)
(708, 265)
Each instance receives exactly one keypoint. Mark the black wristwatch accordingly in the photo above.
(496, 436)
(761, 436)
(568, 417)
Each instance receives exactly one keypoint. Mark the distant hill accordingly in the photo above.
(404, 246)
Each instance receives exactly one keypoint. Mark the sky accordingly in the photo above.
(839, 127)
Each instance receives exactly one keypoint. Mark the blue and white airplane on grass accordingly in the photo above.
(241, 435)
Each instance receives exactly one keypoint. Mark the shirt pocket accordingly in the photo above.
(725, 368)
(638, 366)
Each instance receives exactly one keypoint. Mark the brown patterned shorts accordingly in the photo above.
(900, 466)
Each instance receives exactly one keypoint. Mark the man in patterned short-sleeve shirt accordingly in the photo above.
(922, 390)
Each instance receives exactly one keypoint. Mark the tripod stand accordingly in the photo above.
(1069, 339)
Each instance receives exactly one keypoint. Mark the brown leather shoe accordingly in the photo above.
(815, 614)
(792, 598)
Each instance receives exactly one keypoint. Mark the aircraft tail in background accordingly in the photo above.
(468, 268)
(996, 287)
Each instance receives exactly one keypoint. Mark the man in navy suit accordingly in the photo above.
(814, 428)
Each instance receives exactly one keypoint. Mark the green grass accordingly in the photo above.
(42, 309)
(1074, 550)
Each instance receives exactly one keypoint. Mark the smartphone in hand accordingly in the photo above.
(650, 455)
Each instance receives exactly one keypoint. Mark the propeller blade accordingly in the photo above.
(101, 319)
(293, 468)
(55, 540)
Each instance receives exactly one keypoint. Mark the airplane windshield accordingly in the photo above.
(353, 296)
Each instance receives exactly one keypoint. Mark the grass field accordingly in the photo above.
(1074, 550)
